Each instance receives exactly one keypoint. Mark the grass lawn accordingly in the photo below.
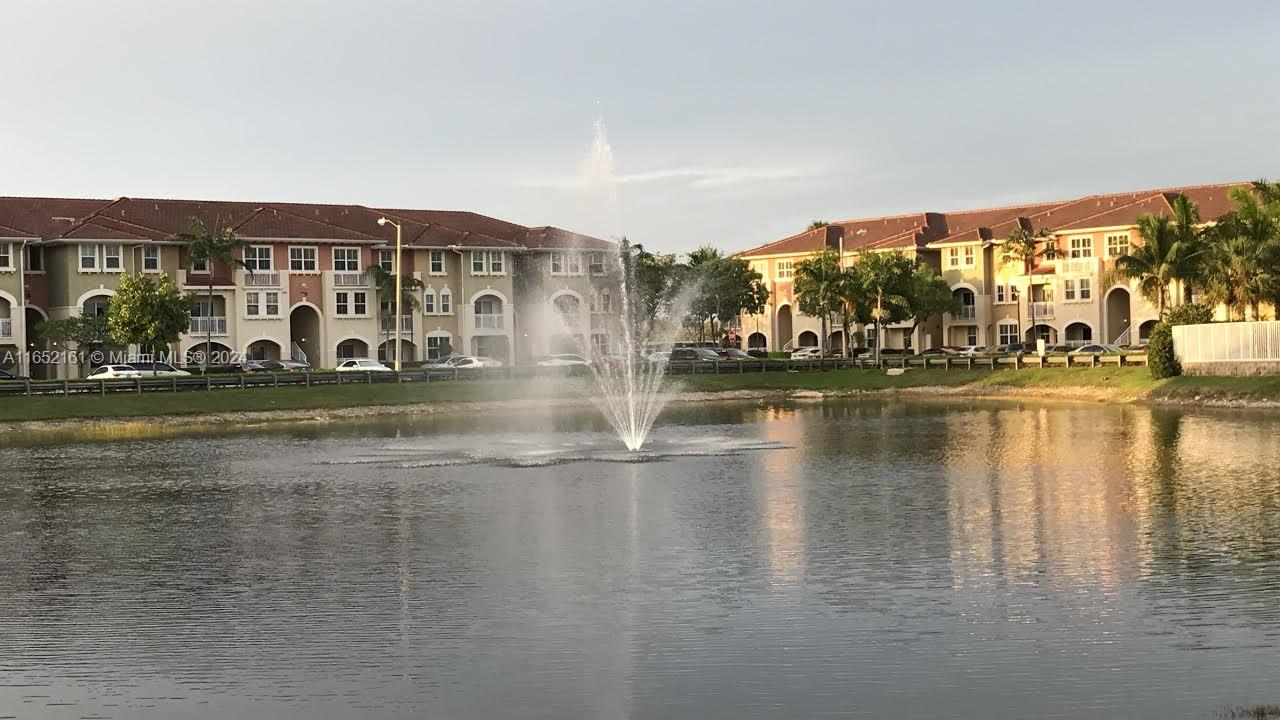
(1126, 383)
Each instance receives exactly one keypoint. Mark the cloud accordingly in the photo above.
(695, 177)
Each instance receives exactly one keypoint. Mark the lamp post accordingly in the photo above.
(396, 269)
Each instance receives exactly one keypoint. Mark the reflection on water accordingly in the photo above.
(845, 559)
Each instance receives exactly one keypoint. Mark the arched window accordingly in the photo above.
(488, 312)
(446, 302)
(428, 302)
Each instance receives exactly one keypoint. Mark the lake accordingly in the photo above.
(829, 559)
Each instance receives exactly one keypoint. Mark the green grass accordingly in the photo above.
(1111, 382)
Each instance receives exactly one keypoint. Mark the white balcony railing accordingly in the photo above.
(389, 323)
(1078, 266)
(261, 278)
(348, 279)
(966, 312)
(487, 321)
(205, 325)
(6, 327)
(1040, 310)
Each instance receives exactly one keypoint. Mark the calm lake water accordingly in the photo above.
(839, 559)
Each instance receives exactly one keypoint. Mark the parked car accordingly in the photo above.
(6, 375)
(1008, 349)
(361, 365)
(564, 360)
(970, 350)
(733, 354)
(893, 351)
(158, 369)
(694, 354)
(468, 362)
(1095, 349)
(806, 353)
(1137, 347)
(934, 352)
(114, 372)
(285, 366)
(758, 353)
(1058, 348)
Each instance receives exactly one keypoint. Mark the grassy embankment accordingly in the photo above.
(1115, 384)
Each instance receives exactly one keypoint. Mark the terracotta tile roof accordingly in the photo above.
(46, 217)
(9, 232)
(467, 222)
(270, 222)
(548, 237)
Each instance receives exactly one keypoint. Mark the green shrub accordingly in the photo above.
(1160, 358)
(1189, 314)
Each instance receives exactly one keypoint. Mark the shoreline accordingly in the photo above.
(242, 420)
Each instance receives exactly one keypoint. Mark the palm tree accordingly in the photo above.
(817, 279)
(385, 282)
(1166, 254)
(1186, 224)
(1025, 247)
(884, 279)
(1243, 255)
(817, 224)
(207, 247)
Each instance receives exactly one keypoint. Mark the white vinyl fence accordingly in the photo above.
(1234, 342)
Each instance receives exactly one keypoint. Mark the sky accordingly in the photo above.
(729, 122)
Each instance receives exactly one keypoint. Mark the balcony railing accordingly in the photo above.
(966, 312)
(262, 278)
(6, 327)
(389, 323)
(488, 321)
(205, 325)
(1040, 310)
(1078, 266)
(349, 279)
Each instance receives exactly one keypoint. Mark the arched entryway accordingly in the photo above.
(216, 354)
(352, 348)
(783, 337)
(808, 338)
(408, 351)
(1078, 333)
(262, 350)
(1144, 330)
(835, 341)
(1047, 333)
(40, 367)
(304, 332)
(1118, 314)
(757, 341)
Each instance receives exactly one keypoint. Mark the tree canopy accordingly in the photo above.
(149, 311)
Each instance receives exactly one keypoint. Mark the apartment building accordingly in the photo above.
(1073, 299)
(490, 287)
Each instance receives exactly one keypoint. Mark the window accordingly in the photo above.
(1008, 333)
(446, 302)
(488, 313)
(387, 260)
(953, 257)
(111, 257)
(252, 306)
(352, 303)
(342, 304)
(1068, 289)
(358, 305)
(437, 347)
(575, 263)
(1086, 288)
(262, 304)
(35, 259)
(599, 344)
(596, 264)
(495, 262)
(437, 262)
(785, 269)
(968, 256)
(346, 259)
(6, 256)
(557, 263)
(601, 301)
(151, 258)
(429, 302)
(302, 259)
(1117, 245)
(257, 258)
(199, 265)
(971, 335)
(477, 262)
(1007, 293)
(1081, 247)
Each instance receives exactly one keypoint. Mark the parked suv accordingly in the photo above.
(158, 369)
(691, 354)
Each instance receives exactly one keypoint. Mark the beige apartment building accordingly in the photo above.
(1073, 299)
(491, 287)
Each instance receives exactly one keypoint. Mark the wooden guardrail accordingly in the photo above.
(436, 374)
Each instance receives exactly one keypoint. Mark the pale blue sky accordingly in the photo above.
(733, 122)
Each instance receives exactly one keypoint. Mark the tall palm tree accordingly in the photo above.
(1242, 258)
(815, 283)
(385, 282)
(209, 247)
(1165, 255)
(1186, 226)
(1025, 247)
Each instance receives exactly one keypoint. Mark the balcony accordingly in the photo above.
(6, 327)
(389, 323)
(340, 278)
(261, 278)
(1078, 266)
(489, 321)
(966, 312)
(206, 325)
(1040, 310)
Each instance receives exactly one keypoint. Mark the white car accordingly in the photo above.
(659, 357)
(469, 362)
(806, 353)
(971, 350)
(1094, 349)
(158, 369)
(564, 360)
(115, 372)
(362, 365)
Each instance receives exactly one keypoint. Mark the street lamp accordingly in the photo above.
(395, 268)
